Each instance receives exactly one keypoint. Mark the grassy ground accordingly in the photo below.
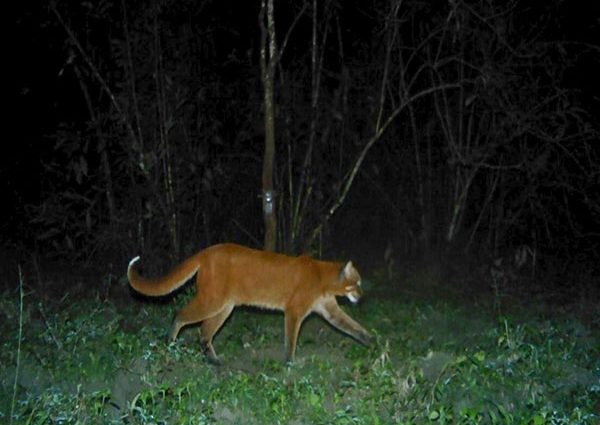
(104, 360)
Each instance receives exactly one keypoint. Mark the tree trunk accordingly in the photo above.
(267, 62)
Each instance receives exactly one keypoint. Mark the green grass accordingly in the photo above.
(433, 361)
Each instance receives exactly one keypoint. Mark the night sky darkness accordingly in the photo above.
(537, 177)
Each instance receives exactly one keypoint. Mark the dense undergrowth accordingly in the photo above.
(94, 359)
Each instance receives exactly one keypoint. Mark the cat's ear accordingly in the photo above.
(347, 271)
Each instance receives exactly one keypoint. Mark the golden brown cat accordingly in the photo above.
(229, 275)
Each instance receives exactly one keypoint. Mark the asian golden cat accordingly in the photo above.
(230, 275)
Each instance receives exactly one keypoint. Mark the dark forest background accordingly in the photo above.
(453, 131)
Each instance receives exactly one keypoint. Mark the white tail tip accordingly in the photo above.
(133, 261)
